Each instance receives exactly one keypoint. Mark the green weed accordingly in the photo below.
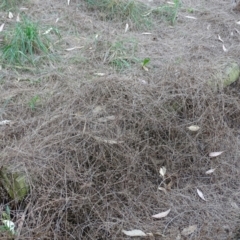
(8, 224)
(123, 10)
(121, 54)
(24, 43)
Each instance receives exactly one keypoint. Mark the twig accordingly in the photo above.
(21, 222)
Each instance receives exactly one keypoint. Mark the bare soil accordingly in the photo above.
(93, 146)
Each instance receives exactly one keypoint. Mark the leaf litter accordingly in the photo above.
(161, 214)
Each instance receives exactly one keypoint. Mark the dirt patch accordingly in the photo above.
(102, 126)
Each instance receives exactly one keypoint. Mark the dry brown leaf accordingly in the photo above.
(210, 171)
(135, 233)
(194, 128)
(189, 230)
(200, 194)
(162, 214)
(215, 154)
(1, 27)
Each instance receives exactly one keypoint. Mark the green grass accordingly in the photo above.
(168, 11)
(24, 43)
(10, 4)
(121, 54)
(33, 102)
(122, 10)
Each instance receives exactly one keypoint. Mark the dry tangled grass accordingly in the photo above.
(93, 146)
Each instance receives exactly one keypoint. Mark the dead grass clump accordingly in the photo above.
(94, 159)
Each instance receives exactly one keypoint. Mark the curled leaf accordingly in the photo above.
(220, 39)
(215, 154)
(162, 189)
(200, 194)
(134, 233)
(162, 214)
(224, 48)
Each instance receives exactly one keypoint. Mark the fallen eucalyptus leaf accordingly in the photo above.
(189, 230)
(215, 154)
(109, 141)
(10, 15)
(47, 31)
(194, 128)
(210, 171)
(99, 74)
(200, 194)
(162, 171)
(126, 27)
(73, 48)
(5, 122)
(220, 39)
(190, 17)
(162, 189)
(18, 18)
(134, 233)
(106, 119)
(224, 48)
(1, 27)
(162, 214)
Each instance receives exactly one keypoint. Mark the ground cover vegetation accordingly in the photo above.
(119, 119)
